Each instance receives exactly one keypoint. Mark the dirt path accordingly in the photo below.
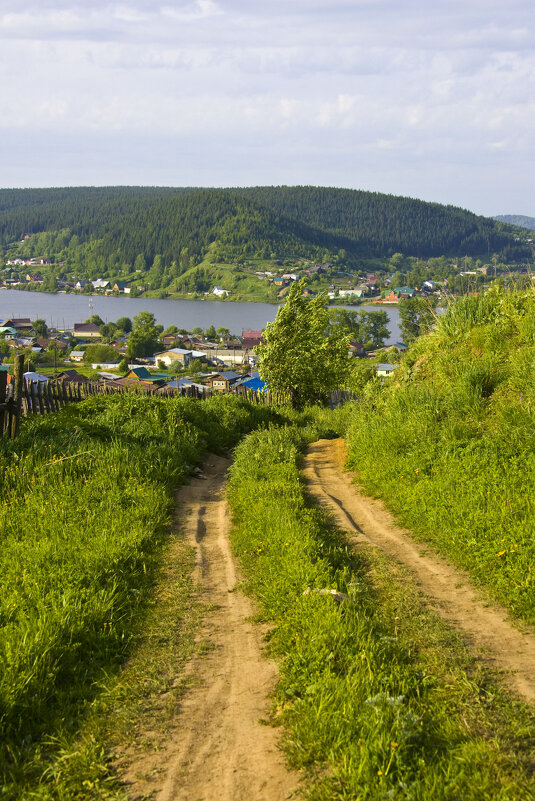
(221, 751)
(486, 627)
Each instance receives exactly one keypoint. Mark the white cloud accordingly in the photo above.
(347, 79)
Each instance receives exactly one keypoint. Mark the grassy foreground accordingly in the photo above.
(86, 497)
(374, 692)
(450, 443)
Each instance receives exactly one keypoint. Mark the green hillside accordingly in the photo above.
(113, 227)
(450, 443)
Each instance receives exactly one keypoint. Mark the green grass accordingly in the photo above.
(377, 697)
(450, 444)
(86, 500)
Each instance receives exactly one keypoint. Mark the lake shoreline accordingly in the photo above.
(63, 310)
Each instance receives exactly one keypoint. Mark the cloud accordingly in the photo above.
(353, 82)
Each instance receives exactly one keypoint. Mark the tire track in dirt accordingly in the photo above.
(220, 750)
(448, 590)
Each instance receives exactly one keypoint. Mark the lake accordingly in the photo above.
(64, 310)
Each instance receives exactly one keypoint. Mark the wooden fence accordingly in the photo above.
(22, 398)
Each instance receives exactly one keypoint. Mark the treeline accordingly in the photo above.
(115, 226)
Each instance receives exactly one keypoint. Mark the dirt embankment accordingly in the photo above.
(220, 750)
(486, 627)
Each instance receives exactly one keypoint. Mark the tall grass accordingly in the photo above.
(450, 445)
(374, 706)
(86, 499)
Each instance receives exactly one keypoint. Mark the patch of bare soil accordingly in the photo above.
(486, 627)
(219, 749)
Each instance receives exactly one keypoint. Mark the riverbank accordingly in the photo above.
(62, 310)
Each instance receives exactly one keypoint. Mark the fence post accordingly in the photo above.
(3, 397)
(17, 393)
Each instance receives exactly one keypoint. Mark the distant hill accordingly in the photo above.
(517, 219)
(127, 228)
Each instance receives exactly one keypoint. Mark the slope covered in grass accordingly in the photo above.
(450, 443)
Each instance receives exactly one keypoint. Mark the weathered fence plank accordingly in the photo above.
(18, 378)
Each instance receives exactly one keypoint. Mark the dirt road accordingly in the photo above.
(221, 750)
(486, 627)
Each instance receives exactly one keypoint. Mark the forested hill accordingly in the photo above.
(381, 224)
(125, 222)
(517, 219)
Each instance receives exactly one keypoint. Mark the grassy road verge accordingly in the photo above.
(377, 697)
(87, 495)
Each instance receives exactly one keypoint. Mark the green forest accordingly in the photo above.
(161, 233)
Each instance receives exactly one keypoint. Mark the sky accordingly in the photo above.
(432, 99)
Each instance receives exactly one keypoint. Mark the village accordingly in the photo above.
(186, 363)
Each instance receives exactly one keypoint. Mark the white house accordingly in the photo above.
(219, 291)
(100, 283)
(173, 355)
(384, 370)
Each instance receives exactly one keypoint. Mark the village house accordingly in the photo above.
(122, 287)
(71, 377)
(250, 339)
(86, 331)
(51, 342)
(18, 323)
(404, 292)
(222, 382)
(219, 292)
(171, 340)
(385, 370)
(101, 283)
(180, 355)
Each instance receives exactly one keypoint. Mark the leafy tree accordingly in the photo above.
(50, 283)
(96, 319)
(417, 317)
(222, 332)
(375, 328)
(155, 273)
(40, 327)
(140, 265)
(100, 353)
(123, 366)
(301, 355)
(197, 331)
(108, 331)
(366, 327)
(143, 339)
(210, 332)
(124, 324)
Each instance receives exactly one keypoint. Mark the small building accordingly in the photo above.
(77, 355)
(404, 292)
(181, 355)
(219, 292)
(36, 378)
(101, 283)
(223, 381)
(86, 331)
(385, 370)
(18, 323)
(250, 339)
(71, 377)
(122, 287)
(141, 373)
